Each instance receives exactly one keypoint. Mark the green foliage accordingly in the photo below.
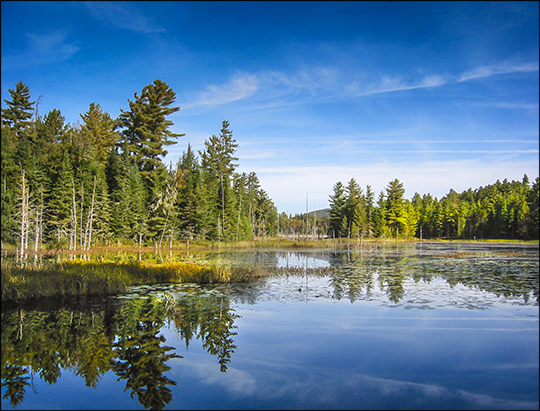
(19, 109)
(93, 184)
(501, 210)
(99, 127)
(8, 186)
(218, 160)
(146, 130)
(337, 209)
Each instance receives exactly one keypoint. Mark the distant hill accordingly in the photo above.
(324, 212)
(318, 213)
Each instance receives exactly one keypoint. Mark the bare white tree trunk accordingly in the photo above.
(164, 226)
(89, 220)
(24, 215)
(39, 223)
(73, 235)
(82, 234)
(238, 221)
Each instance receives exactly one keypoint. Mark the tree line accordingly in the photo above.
(104, 181)
(503, 210)
(506, 210)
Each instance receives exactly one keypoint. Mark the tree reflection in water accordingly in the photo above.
(353, 276)
(122, 338)
(140, 358)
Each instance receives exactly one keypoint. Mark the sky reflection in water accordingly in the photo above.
(394, 330)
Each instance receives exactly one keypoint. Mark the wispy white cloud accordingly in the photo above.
(43, 48)
(299, 87)
(241, 86)
(273, 88)
(122, 15)
(504, 68)
(388, 84)
(533, 151)
(489, 402)
(278, 379)
(360, 141)
(239, 382)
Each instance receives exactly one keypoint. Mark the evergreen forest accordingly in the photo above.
(503, 210)
(103, 182)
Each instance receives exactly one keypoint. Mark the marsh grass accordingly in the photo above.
(78, 277)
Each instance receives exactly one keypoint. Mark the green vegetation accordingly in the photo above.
(104, 182)
(507, 210)
(81, 278)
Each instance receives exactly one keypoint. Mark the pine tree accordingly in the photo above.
(532, 217)
(369, 206)
(207, 210)
(394, 206)
(189, 178)
(60, 204)
(337, 209)
(128, 195)
(243, 226)
(218, 159)
(8, 185)
(164, 210)
(146, 131)
(99, 216)
(53, 130)
(253, 184)
(380, 217)
(19, 108)
(355, 209)
(99, 127)
(265, 214)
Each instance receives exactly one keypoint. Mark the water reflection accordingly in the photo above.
(124, 336)
(140, 358)
(96, 337)
(355, 276)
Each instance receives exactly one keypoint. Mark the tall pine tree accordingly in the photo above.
(218, 159)
(146, 131)
(19, 109)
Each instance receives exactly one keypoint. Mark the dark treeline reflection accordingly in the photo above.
(353, 276)
(92, 338)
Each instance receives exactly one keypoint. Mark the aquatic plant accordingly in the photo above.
(79, 277)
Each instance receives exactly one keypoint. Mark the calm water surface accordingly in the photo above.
(427, 326)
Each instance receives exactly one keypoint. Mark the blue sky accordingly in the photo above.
(440, 95)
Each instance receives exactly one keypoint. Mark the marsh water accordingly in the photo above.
(412, 326)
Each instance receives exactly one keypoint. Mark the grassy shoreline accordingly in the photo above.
(79, 277)
(268, 242)
(104, 276)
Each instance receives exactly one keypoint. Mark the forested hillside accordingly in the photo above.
(104, 181)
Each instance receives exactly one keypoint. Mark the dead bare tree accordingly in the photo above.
(25, 215)
(89, 220)
(73, 220)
